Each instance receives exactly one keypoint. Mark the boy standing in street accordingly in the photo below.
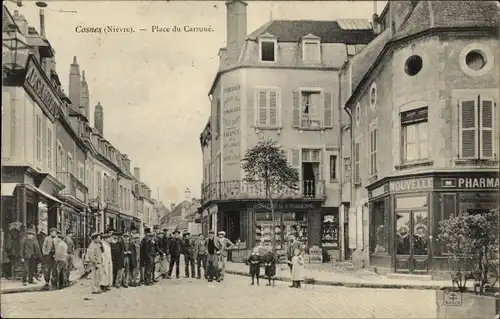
(200, 255)
(30, 252)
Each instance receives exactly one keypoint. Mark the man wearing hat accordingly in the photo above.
(136, 272)
(225, 245)
(30, 252)
(117, 257)
(163, 247)
(60, 261)
(129, 261)
(48, 252)
(175, 251)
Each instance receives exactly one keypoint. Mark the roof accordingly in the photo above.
(327, 31)
(426, 15)
(450, 14)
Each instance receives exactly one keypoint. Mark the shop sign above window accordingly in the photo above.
(36, 82)
(471, 182)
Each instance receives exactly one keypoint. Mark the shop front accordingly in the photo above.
(405, 213)
(251, 223)
(125, 222)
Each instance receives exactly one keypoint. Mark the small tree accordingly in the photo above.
(267, 169)
(472, 240)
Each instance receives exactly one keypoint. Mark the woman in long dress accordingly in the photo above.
(107, 276)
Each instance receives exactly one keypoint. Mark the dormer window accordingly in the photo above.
(311, 49)
(268, 48)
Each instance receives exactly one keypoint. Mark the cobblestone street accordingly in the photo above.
(233, 298)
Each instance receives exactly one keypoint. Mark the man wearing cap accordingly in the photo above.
(48, 251)
(212, 247)
(30, 252)
(117, 257)
(200, 255)
(148, 255)
(95, 258)
(188, 252)
(60, 260)
(136, 272)
(175, 251)
(129, 261)
(225, 245)
(163, 246)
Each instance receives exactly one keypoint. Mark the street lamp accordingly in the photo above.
(15, 49)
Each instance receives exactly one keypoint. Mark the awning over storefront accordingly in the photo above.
(44, 194)
(8, 189)
(126, 217)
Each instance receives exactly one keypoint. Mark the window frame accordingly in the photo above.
(357, 161)
(267, 89)
(50, 149)
(315, 42)
(357, 112)
(373, 168)
(320, 109)
(333, 170)
(414, 122)
(275, 43)
(38, 139)
(69, 159)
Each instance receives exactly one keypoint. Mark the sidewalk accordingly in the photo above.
(14, 286)
(332, 275)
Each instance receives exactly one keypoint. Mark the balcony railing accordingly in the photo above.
(312, 190)
(74, 187)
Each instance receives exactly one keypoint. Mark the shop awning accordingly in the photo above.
(126, 217)
(8, 189)
(46, 195)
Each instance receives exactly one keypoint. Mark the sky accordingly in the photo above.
(154, 86)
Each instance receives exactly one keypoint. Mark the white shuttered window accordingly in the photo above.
(312, 109)
(268, 108)
(477, 127)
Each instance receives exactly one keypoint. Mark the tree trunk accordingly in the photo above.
(273, 238)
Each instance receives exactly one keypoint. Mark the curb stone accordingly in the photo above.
(352, 284)
(39, 288)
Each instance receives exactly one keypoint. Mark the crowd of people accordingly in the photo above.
(125, 260)
(39, 255)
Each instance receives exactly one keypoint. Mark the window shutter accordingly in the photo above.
(356, 162)
(273, 108)
(262, 100)
(486, 125)
(296, 108)
(294, 159)
(328, 110)
(468, 125)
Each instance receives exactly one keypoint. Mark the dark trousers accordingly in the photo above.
(174, 260)
(201, 261)
(212, 267)
(29, 269)
(189, 263)
(255, 272)
(148, 271)
(48, 265)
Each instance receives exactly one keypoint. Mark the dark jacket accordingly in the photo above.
(175, 248)
(30, 248)
(117, 254)
(130, 253)
(188, 247)
(163, 244)
(148, 252)
(254, 263)
(269, 260)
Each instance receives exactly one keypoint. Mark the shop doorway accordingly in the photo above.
(412, 241)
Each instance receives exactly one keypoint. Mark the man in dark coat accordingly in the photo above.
(163, 246)
(130, 260)
(175, 250)
(188, 252)
(148, 255)
(213, 246)
(30, 252)
(117, 256)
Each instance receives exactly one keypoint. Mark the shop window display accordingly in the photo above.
(296, 224)
(264, 229)
(330, 231)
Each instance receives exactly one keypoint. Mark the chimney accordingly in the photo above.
(137, 173)
(74, 84)
(21, 22)
(99, 118)
(236, 29)
(84, 104)
(42, 23)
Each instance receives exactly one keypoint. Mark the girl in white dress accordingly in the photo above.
(107, 276)
(297, 268)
